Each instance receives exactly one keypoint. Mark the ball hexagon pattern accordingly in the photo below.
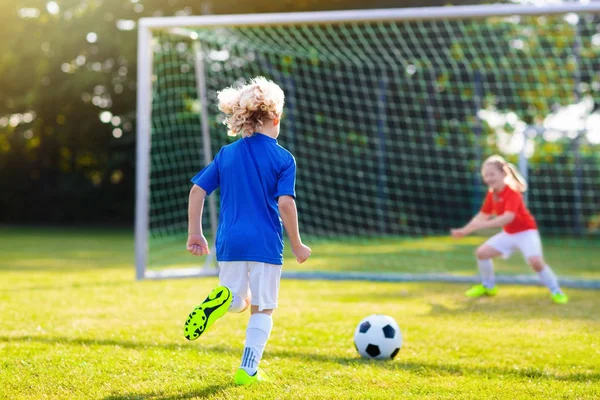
(378, 336)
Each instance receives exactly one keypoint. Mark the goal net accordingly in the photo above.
(389, 114)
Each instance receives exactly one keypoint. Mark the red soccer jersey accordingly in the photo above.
(509, 200)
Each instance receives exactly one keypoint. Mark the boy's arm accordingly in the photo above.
(289, 217)
(196, 243)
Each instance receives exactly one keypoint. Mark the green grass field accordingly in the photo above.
(570, 257)
(75, 325)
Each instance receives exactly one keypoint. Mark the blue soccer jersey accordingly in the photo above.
(252, 173)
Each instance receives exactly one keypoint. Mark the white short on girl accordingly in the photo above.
(255, 279)
(528, 242)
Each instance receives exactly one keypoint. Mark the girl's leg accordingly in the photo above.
(485, 253)
(545, 273)
(530, 244)
(501, 244)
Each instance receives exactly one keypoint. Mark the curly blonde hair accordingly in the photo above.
(514, 179)
(247, 107)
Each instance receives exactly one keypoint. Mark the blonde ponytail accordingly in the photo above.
(247, 107)
(514, 179)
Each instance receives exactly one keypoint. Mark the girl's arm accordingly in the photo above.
(471, 226)
(497, 222)
(482, 221)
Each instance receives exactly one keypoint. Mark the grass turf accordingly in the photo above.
(75, 324)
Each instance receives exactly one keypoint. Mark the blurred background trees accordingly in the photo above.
(67, 101)
(68, 98)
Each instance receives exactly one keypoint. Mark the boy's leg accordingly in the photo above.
(239, 303)
(257, 335)
(212, 308)
(264, 286)
(233, 277)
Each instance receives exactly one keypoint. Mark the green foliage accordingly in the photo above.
(54, 84)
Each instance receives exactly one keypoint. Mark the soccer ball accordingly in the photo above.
(378, 336)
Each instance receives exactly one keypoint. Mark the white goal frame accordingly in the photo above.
(183, 26)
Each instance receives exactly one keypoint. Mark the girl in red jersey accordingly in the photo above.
(520, 232)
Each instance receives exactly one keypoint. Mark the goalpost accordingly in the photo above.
(389, 114)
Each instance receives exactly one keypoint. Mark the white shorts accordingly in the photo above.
(255, 279)
(528, 242)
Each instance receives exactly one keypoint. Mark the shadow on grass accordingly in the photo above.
(108, 342)
(75, 285)
(522, 302)
(491, 372)
(83, 265)
(419, 368)
(582, 306)
(199, 393)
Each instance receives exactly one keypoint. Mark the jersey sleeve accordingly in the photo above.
(487, 206)
(286, 181)
(513, 202)
(209, 178)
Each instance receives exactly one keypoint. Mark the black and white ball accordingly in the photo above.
(378, 336)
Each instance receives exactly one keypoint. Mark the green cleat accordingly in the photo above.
(212, 308)
(560, 298)
(480, 290)
(241, 377)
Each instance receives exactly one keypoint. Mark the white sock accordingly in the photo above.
(549, 280)
(257, 334)
(238, 303)
(486, 270)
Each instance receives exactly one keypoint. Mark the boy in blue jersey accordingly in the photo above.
(257, 179)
